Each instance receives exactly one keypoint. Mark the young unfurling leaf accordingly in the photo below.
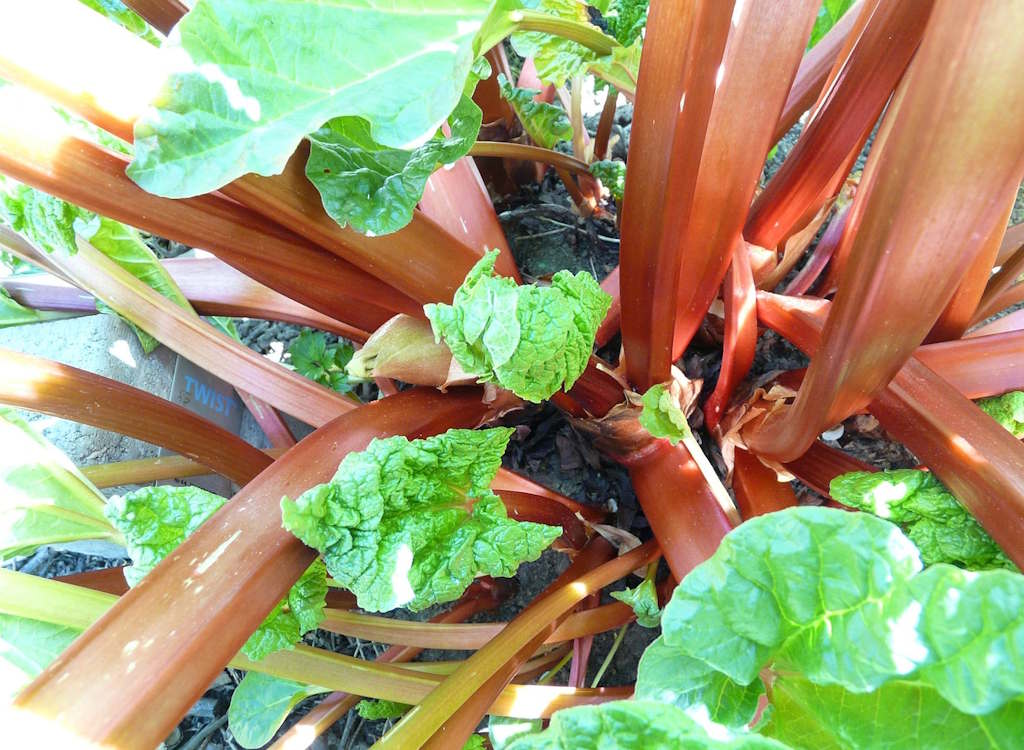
(375, 188)
(662, 415)
(411, 523)
(323, 363)
(612, 175)
(545, 123)
(375, 710)
(934, 520)
(644, 601)
(846, 623)
(155, 520)
(531, 340)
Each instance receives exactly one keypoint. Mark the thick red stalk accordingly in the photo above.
(69, 393)
(916, 172)
(981, 462)
(194, 611)
(977, 283)
(994, 295)
(684, 514)
(267, 417)
(814, 70)
(682, 53)
(738, 350)
(610, 325)
(849, 110)
(1013, 241)
(757, 488)
(820, 464)
(759, 65)
(160, 14)
(1012, 322)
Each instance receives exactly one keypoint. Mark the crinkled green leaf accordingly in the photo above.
(901, 715)
(934, 520)
(261, 703)
(411, 523)
(372, 187)
(828, 16)
(264, 74)
(475, 742)
(374, 710)
(503, 729)
(634, 725)
(47, 222)
(644, 601)
(324, 363)
(1007, 410)
(225, 325)
(612, 174)
(557, 59)
(44, 498)
(626, 19)
(545, 123)
(839, 599)
(662, 415)
(531, 340)
(669, 675)
(116, 11)
(155, 520)
(26, 648)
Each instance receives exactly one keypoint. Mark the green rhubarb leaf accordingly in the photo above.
(531, 340)
(411, 523)
(662, 415)
(927, 512)
(225, 326)
(669, 675)
(155, 520)
(26, 648)
(375, 710)
(612, 175)
(828, 16)
(324, 363)
(621, 68)
(901, 714)
(557, 59)
(475, 742)
(626, 19)
(828, 599)
(503, 729)
(1007, 410)
(116, 11)
(375, 188)
(644, 601)
(264, 74)
(545, 123)
(634, 725)
(261, 703)
(47, 222)
(44, 498)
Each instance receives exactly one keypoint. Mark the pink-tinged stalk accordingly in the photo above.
(683, 51)
(760, 62)
(961, 171)
(740, 297)
(818, 163)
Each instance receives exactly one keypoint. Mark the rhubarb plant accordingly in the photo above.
(412, 523)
